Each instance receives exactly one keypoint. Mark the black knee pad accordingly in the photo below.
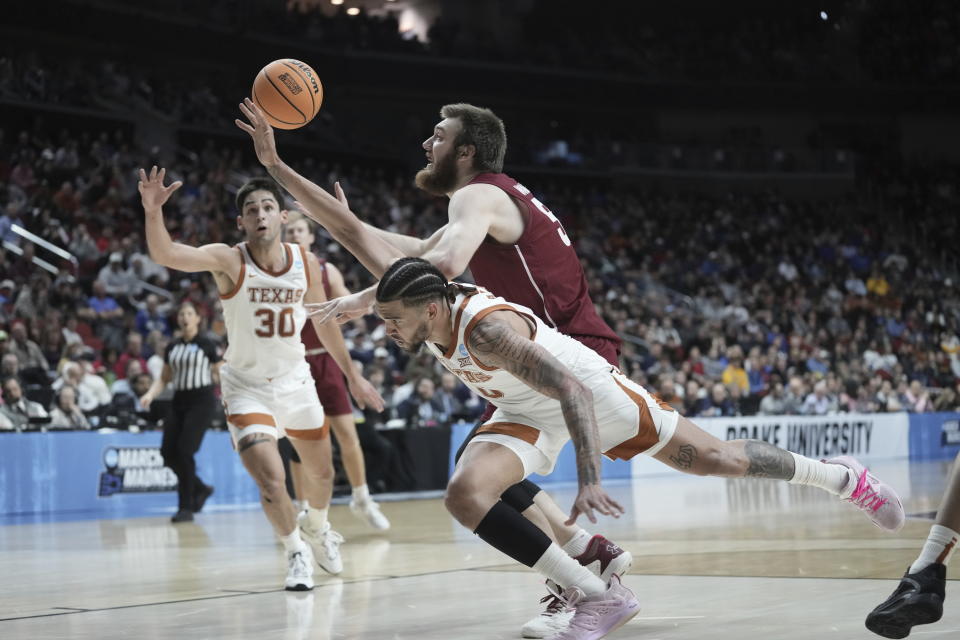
(531, 488)
(518, 497)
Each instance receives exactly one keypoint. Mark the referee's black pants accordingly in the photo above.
(190, 417)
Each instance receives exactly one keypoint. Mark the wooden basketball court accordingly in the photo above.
(713, 558)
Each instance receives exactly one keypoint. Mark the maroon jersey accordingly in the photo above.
(308, 335)
(541, 271)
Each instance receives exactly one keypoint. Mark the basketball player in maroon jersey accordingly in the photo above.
(516, 248)
(333, 391)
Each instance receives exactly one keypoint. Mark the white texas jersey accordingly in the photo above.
(264, 315)
(502, 388)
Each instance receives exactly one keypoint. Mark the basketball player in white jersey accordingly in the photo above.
(550, 388)
(266, 384)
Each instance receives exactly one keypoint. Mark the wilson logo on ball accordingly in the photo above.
(290, 82)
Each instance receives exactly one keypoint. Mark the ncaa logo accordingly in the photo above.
(463, 350)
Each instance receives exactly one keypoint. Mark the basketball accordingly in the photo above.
(288, 92)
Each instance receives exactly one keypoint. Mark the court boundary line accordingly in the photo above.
(234, 593)
(231, 593)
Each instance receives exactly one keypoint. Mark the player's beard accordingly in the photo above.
(441, 179)
(419, 338)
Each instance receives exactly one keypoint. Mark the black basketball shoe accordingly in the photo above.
(917, 600)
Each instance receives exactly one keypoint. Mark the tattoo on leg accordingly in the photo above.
(252, 441)
(767, 461)
(685, 457)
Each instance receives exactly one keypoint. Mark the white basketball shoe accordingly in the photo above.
(325, 544)
(299, 570)
(369, 512)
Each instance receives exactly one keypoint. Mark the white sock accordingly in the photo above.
(293, 542)
(938, 548)
(835, 478)
(361, 493)
(316, 518)
(567, 572)
(578, 543)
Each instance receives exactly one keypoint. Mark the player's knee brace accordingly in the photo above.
(518, 496)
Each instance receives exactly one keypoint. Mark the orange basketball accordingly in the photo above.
(288, 92)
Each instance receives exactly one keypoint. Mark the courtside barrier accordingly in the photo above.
(78, 475)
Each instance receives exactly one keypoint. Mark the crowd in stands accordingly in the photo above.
(120, 87)
(848, 40)
(728, 306)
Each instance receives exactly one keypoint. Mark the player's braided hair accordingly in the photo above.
(414, 281)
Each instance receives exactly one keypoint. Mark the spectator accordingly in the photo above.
(362, 348)
(82, 245)
(734, 373)
(667, 391)
(794, 397)
(28, 352)
(69, 331)
(117, 280)
(9, 366)
(16, 407)
(6, 292)
(877, 285)
(948, 400)
(819, 402)
(718, 403)
(92, 392)
(774, 403)
(917, 399)
(151, 318)
(422, 408)
(886, 399)
(145, 269)
(124, 385)
(456, 399)
(103, 312)
(133, 351)
(66, 414)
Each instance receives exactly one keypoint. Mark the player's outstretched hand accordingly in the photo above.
(153, 194)
(592, 497)
(364, 394)
(341, 310)
(260, 131)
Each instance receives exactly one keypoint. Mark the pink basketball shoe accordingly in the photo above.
(873, 496)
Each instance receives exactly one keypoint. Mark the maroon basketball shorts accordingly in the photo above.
(331, 387)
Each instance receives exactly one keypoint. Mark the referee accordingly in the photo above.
(192, 363)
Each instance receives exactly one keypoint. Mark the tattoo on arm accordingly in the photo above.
(767, 461)
(252, 441)
(498, 344)
(685, 457)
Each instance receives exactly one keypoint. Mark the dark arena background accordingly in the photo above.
(764, 198)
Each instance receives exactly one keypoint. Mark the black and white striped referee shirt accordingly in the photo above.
(190, 362)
